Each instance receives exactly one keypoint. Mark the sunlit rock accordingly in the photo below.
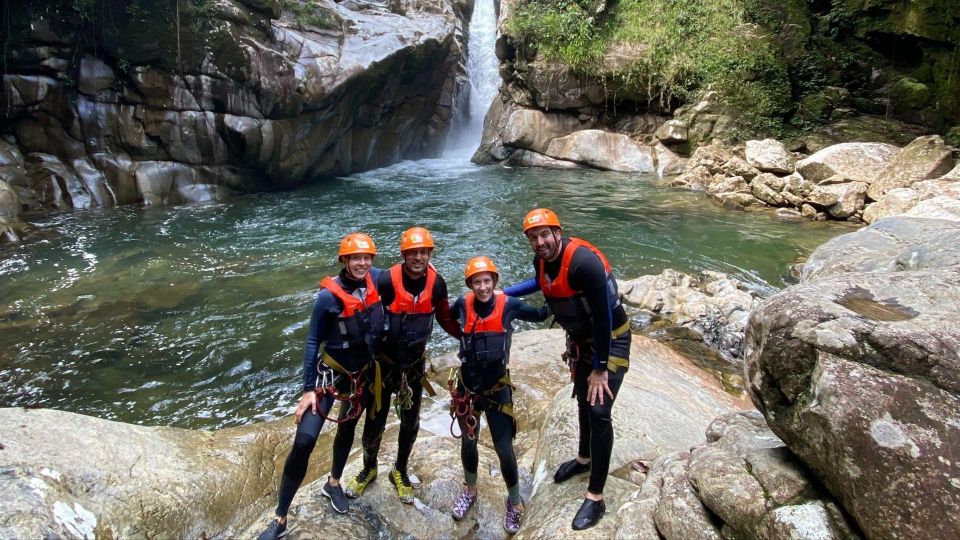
(862, 162)
(923, 159)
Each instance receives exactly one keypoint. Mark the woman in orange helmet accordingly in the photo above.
(347, 319)
(483, 385)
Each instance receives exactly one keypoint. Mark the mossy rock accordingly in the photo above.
(908, 93)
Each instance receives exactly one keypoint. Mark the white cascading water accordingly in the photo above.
(484, 72)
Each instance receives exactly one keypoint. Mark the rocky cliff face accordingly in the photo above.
(170, 101)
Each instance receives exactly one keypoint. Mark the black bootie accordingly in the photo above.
(569, 469)
(589, 514)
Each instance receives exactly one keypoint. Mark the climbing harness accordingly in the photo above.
(404, 399)
(326, 386)
(461, 406)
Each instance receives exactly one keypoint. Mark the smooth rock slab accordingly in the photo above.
(861, 162)
(603, 150)
(892, 244)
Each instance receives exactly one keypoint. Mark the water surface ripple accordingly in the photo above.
(195, 316)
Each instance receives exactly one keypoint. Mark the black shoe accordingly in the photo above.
(589, 514)
(274, 531)
(337, 499)
(569, 469)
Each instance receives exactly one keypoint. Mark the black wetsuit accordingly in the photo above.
(502, 425)
(398, 362)
(323, 324)
(588, 276)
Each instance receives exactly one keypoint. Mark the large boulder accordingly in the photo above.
(925, 158)
(603, 150)
(770, 155)
(532, 129)
(742, 483)
(856, 370)
(67, 475)
(861, 162)
(889, 245)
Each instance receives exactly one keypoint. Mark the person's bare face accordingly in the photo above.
(358, 265)
(545, 242)
(415, 261)
(482, 285)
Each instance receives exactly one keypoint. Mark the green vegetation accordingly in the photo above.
(682, 48)
(310, 13)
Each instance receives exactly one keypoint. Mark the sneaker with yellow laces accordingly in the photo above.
(359, 483)
(402, 483)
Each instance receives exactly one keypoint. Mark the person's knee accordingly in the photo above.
(410, 428)
(600, 415)
(303, 444)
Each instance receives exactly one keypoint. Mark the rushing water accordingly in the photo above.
(195, 316)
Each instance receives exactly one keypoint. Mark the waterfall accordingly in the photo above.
(483, 69)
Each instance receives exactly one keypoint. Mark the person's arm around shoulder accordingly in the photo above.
(441, 307)
(518, 309)
(524, 288)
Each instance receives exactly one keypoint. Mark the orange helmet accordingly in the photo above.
(478, 265)
(540, 217)
(415, 237)
(355, 243)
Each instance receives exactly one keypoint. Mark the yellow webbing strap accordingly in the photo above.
(328, 360)
(614, 363)
(425, 382)
(621, 330)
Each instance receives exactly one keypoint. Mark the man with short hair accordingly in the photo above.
(413, 293)
(578, 285)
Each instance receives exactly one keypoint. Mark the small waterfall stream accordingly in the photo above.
(484, 71)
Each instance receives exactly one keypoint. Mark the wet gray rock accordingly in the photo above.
(261, 101)
(532, 129)
(528, 158)
(669, 163)
(890, 245)
(603, 150)
(856, 370)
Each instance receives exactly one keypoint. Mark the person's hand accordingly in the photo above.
(597, 386)
(307, 401)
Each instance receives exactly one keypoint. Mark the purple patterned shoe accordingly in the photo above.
(463, 504)
(511, 518)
